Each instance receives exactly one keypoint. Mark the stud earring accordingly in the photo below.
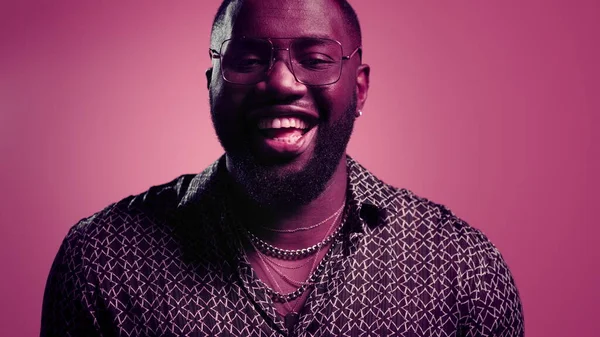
(359, 113)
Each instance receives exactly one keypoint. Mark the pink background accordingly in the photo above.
(489, 108)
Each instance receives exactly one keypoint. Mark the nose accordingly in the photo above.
(280, 79)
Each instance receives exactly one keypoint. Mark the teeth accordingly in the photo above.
(278, 123)
(290, 140)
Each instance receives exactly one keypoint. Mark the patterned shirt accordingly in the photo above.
(167, 263)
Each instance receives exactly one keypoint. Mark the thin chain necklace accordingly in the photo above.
(278, 295)
(289, 254)
(285, 277)
(292, 316)
(271, 261)
(281, 297)
(304, 228)
(290, 281)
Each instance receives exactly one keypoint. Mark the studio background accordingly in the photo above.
(490, 108)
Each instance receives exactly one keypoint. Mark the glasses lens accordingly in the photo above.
(316, 61)
(245, 61)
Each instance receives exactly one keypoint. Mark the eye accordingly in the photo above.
(316, 61)
(247, 64)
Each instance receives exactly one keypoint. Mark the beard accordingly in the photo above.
(271, 186)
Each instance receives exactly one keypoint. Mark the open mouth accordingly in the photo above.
(288, 135)
(283, 129)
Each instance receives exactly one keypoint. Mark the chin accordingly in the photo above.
(287, 166)
(284, 181)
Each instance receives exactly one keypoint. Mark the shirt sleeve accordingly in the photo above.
(491, 306)
(67, 309)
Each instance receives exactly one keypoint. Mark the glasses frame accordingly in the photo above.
(216, 54)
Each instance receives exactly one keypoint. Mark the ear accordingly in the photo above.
(208, 77)
(362, 85)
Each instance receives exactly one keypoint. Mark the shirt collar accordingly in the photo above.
(369, 198)
(205, 184)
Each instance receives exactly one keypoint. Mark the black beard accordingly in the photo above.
(271, 188)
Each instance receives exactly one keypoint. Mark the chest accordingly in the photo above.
(379, 288)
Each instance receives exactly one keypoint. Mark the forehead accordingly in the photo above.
(288, 18)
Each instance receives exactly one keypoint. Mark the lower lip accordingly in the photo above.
(273, 148)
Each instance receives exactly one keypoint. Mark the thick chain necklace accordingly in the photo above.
(289, 254)
(272, 262)
(278, 296)
(292, 316)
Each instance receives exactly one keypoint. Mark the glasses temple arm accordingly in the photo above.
(359, 48)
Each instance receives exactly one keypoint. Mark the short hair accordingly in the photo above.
(348, 13)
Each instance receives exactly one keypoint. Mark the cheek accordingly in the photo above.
(227, 98)
(333, 101)
(223, 95)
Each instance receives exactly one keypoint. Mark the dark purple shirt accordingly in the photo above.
(169, 262)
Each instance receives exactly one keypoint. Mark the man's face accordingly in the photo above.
(284, 139)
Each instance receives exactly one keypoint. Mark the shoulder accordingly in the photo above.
(405, 214)
(438, 225)
(142, 219)
(423, 214)
(157, 202)
(424, 231)
(487, 296)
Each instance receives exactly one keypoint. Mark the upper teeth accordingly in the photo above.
(284, 122)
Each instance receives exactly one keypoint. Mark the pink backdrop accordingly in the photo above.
(489, 108)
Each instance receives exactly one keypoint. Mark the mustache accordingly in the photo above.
(253, 103)
(263, 101)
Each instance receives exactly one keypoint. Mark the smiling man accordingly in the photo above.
(285, 234)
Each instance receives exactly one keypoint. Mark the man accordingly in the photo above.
(285, 234)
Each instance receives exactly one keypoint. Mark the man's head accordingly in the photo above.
(285, 109)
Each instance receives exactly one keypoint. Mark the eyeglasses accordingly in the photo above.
(314, 61)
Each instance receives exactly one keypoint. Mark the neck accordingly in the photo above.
(290, 217)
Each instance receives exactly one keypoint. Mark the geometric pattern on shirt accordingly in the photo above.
(166, 263)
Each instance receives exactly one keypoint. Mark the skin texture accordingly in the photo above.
(286, 183)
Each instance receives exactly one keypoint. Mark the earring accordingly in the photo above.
(359, 113)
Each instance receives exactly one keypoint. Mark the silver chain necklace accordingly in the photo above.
(271, 261)
(278, 296)
(304, 228)
(289, 254)
(290, 281)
